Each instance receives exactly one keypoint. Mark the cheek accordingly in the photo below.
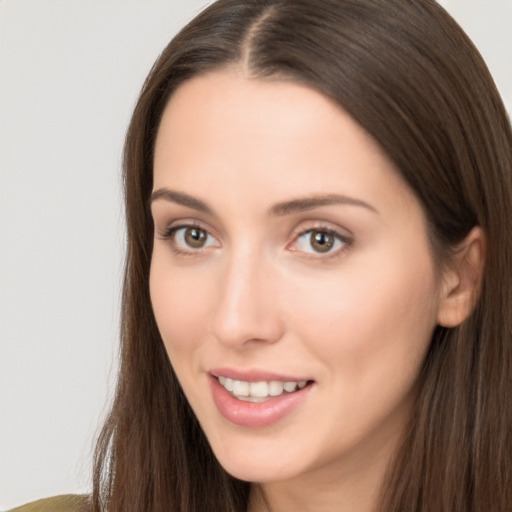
(374, 320)
(181, 300)
(371, 334)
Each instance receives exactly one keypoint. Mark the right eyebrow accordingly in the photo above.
(180, 198)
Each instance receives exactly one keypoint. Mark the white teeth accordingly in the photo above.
(256, 391)
(275, 388)
(290, 386)
(240, 388)
(226, 382)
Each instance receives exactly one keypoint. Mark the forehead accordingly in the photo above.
(276, 137)
(224, 104)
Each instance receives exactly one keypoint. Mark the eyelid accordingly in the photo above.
(172, 226)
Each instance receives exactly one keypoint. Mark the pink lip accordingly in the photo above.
(254, 375)
(256, 414)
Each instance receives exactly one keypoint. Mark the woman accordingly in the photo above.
(316, 293)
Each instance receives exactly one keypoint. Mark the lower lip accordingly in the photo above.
(255, 414)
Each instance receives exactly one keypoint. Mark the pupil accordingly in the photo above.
(195, 237)
(321, 241)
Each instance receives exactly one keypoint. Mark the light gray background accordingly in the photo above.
(70, 71)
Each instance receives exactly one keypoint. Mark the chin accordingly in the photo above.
(255, 460)
(259, 471)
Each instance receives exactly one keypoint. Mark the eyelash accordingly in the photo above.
(346, 242)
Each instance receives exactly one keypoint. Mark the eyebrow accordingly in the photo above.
(278, 210)
(180, 198)
(310, 203)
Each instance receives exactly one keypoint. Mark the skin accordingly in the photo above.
(357, 319)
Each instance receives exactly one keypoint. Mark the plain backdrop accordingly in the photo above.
(70, 72)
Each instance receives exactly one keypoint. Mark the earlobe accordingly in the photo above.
(462, 282)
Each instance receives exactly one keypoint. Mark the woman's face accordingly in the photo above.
(291, 279)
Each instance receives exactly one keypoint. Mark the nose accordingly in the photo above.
(247, 311)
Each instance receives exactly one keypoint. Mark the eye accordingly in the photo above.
(320, 241)
(190, 238)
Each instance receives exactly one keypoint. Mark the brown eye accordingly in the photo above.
(322, 241)
(195, 237)
(189, 239)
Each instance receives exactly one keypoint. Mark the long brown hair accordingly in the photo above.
(409, 75)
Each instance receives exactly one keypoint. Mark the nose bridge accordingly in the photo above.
(246, 309)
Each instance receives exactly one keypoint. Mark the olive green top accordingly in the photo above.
(64, 503)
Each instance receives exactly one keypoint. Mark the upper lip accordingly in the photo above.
(255, 375)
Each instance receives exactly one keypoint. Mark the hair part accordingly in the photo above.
(413, 80)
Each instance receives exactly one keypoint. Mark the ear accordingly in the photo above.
(462, 281)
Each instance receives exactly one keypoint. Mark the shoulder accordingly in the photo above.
(64, 503)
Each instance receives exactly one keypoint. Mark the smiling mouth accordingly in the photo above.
(260, 391)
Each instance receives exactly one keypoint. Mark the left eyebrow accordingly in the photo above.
(310, 203)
